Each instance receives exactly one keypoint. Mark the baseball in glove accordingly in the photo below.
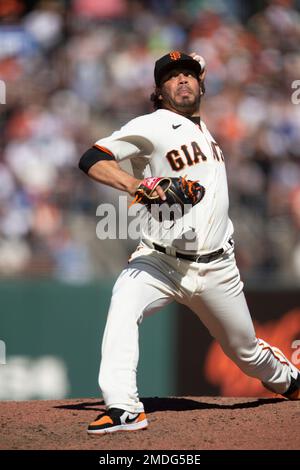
(177, 191)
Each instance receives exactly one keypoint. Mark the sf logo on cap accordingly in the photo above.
(175, 55)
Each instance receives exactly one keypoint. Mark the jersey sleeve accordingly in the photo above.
(131, 141)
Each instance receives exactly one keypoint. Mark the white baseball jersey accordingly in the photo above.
(165, 143)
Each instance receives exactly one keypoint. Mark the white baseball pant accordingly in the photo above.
(212, 290)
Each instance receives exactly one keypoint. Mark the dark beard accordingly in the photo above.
(186, 108)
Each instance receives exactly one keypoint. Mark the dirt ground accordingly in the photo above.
(174, 424)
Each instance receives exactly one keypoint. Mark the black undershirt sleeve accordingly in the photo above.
(92, 156)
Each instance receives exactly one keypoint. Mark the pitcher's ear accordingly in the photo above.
(202, 88)
(158, 93)
(202, 75)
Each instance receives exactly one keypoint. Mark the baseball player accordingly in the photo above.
(190, 259)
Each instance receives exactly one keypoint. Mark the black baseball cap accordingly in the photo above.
(172, 61)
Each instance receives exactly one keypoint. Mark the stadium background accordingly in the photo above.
(76, 70)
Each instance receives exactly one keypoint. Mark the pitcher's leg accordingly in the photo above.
(136, 293)
(228, 319)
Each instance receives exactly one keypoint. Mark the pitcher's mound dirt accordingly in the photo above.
(174, 423)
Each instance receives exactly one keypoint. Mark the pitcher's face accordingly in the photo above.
(180, 91)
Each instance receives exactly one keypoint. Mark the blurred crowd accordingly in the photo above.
(77, 70)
